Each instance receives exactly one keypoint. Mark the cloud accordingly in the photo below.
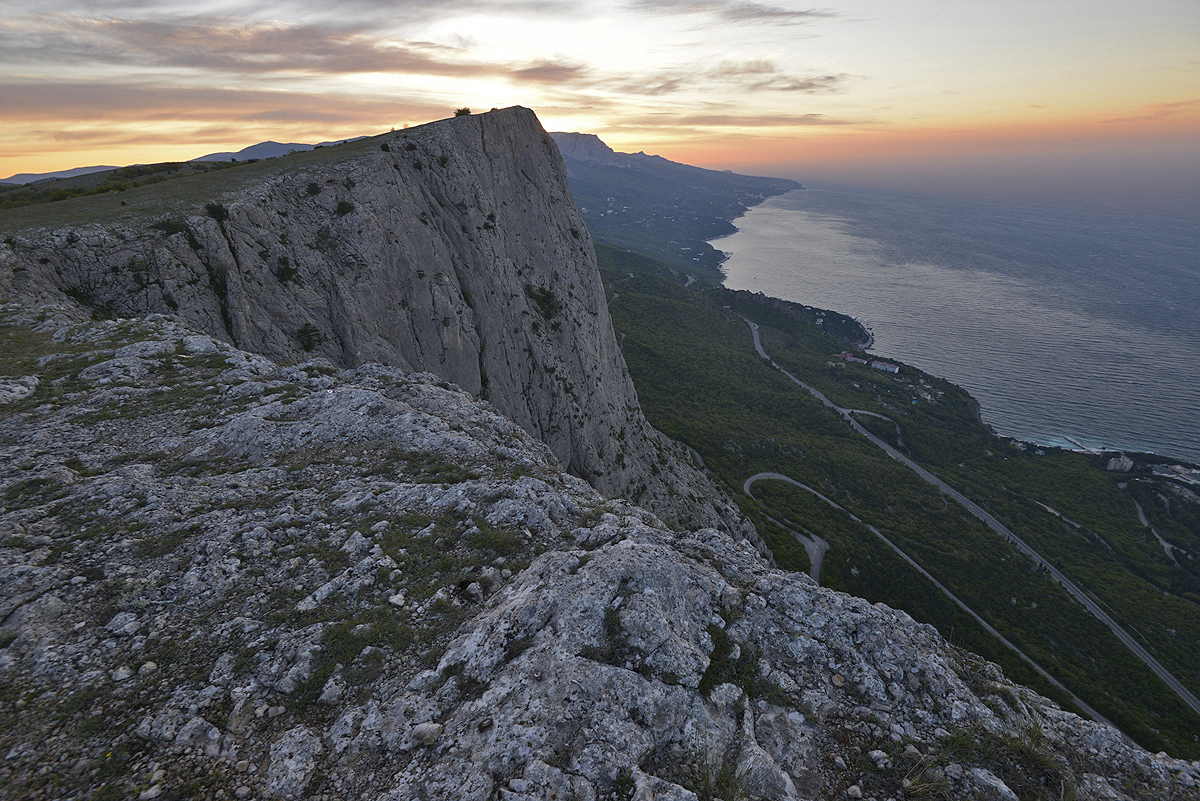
(762, 75)
(223, 44)
(551, 71)
(759, 120)
(682, 121)
(1156, 111)
(378, 11)
(759, 75)
(252, 47)
(742, 12)
(78, 105)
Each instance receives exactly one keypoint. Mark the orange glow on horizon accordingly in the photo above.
(827, 146)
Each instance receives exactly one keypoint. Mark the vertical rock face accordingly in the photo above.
(453, 248)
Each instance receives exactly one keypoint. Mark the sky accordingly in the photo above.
(1084, 96)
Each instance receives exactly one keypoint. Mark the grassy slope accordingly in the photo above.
(182, 194)
(700, 381)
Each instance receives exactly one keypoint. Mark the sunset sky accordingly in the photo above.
(1095, 91)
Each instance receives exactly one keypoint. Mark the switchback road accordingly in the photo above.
(1072, 589)
(957, 601)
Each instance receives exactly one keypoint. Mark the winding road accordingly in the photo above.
(986, 626)
(1072, 589)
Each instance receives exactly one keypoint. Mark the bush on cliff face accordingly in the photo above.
(462, 112)
(310, 337)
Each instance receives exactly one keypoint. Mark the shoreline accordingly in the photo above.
(1102, 450)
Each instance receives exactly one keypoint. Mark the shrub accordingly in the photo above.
(310, 336)
(216, 211)
(462, 112)
(543, 297)
(344, 207)
(170, 225)
(313, 188)
(285, 272)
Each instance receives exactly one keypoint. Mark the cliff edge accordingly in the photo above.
(453, 248)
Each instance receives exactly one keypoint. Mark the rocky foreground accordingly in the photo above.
(226, 578)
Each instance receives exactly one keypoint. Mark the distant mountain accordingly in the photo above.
(263, 150)
(658, 207)
(589, 148)
(269, 150)
(33, 177)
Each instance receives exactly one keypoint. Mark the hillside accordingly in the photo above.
(452, 248)
(224, 578)
(658, 207)
(1130, 539)
(324, 477)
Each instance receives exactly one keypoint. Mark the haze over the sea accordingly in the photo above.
(1067, 322)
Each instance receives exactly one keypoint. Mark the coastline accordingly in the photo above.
(1075, 442)
(1035, 389)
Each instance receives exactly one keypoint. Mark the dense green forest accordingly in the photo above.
(700, 380)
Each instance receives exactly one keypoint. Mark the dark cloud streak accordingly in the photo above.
(741, 12)
(134, 101)
(759, 75)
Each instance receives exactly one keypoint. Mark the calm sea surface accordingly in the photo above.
(1065, 324)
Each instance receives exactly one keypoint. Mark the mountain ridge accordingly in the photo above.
(315, 575)
(230, 578)
(661, 208)
(453, 247)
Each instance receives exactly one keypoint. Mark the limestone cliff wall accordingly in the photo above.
(454, 248)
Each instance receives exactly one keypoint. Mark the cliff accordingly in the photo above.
(453, 248)
(225, 578)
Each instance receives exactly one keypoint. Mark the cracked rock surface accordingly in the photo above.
(225, 578)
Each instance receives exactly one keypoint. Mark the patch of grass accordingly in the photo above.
(715, 777)
(429, 468)
(342, 644)
(1025, 762)
(168, 541)
(34, 492)
(81, 699)
(742, 670)
(516, 647)
(545, 300)
(495, 540)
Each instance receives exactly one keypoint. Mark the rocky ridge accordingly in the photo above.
(222, 577)
(453, 248)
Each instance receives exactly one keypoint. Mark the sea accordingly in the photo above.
(1074, 326)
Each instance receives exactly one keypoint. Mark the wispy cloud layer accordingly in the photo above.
(1156, 111)
(741, 12)
(233, 46)
(79, 73)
